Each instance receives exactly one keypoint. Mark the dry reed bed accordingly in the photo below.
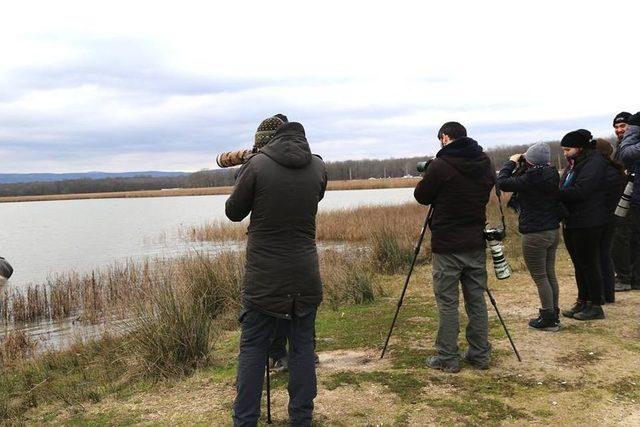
(347, 225)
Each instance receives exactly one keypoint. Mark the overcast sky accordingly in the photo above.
(132, 85)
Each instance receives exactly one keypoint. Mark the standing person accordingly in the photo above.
(457, 185)
(280, 186)
(538, 222)
(626, 244)
(615, 179)
(627, 251)
(583, 192)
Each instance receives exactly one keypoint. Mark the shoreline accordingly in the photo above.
(356, 184)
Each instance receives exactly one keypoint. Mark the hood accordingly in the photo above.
(289, 146)
(466, 156)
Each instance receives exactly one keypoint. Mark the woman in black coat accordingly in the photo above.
(583, 190)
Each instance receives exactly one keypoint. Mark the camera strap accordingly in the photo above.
(498, 194)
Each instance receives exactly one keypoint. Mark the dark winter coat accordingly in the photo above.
(537, 190)
(457, 183)
(583, 191)
(616, 181)
(281, 187)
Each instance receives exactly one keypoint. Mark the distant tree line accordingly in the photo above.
(342, 170)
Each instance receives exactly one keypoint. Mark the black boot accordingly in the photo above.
(577, 307)
(545, 322)
(556, 315)
(591, 312)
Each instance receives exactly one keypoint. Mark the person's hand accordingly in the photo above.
(515, 158)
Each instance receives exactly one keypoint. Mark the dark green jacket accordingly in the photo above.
(281, 187)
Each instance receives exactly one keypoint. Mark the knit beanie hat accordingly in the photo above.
(580, 138)
(634, 120)
(622, 117)
(267, 129)
(538, 154)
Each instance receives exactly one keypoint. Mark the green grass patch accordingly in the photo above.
(406, 385)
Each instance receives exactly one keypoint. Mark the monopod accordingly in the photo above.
(268, 393)
(406, 283)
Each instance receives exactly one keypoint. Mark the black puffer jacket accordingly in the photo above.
(616, 180)
(457, 183)
(583, 190)
(281, 187)
(537, 192)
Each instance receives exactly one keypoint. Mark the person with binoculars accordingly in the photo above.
(457, 184)
(280, 184)
(535, 198)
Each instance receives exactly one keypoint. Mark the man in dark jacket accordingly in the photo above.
(457, 185)
(280, 186)
(626, 243)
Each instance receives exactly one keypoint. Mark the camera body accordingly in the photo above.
(422, 166)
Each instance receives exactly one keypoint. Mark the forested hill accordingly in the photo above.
(99, 182)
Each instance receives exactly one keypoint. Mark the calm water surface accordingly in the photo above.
(41, 239)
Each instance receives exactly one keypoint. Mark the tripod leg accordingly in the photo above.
(495, 306)
(406, 282)
(268, 393)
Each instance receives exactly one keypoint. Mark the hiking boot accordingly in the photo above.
(592, 312)
(281, 365)
(436, 362)
(545, 322)
(477, 364)
(621, 286)
(577, 307)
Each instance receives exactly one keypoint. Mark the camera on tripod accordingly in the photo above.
(422, 166)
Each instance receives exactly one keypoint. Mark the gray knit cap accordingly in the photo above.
(538, 154)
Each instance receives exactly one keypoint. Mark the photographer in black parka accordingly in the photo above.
(280, 186)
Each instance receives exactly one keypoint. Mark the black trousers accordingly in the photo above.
(606, 262)
(626, 248)
(258, 331)
(583, 245)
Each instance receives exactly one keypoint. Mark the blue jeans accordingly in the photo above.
(258, 332)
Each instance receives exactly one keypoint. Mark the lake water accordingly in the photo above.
(44, 238)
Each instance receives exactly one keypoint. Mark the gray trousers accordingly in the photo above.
(539, 250)
(469, 269)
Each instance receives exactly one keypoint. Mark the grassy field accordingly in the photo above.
(356, 184)
(586, 374)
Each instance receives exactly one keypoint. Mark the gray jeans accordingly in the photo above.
(470, 270)
(539, 250)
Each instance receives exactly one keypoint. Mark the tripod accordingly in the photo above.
(406, 283)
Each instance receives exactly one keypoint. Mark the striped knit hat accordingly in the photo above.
(268, 128)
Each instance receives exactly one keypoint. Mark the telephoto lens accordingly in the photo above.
(5, 269)
(625, 200)
(233, 158)
(501, 267)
